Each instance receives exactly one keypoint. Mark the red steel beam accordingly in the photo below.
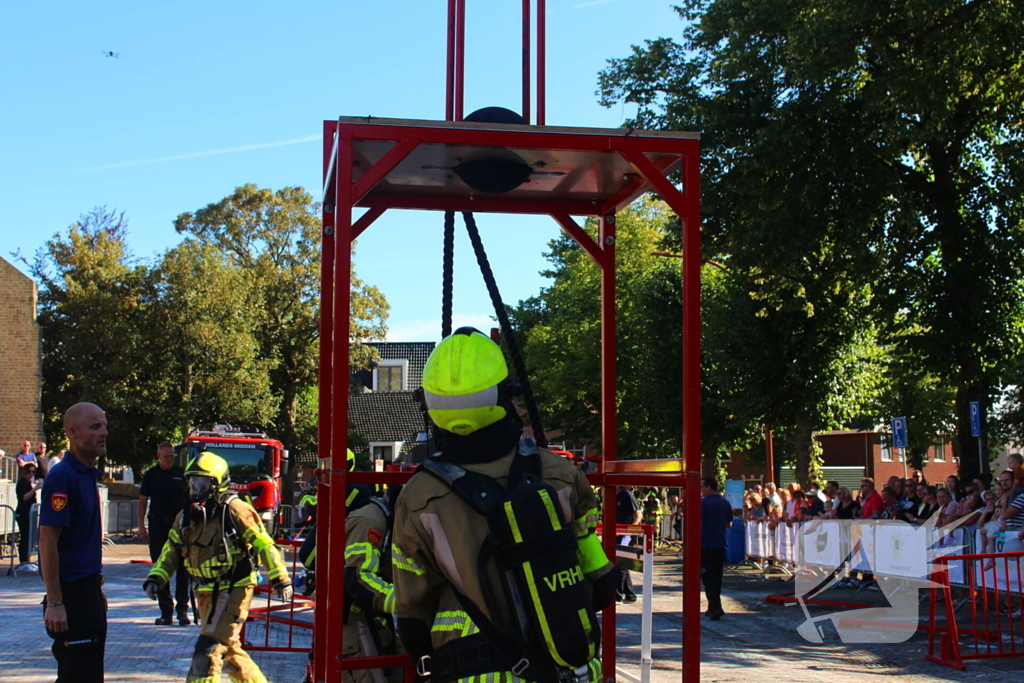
(366, 220)
(526, 60)
(449, 83)
(580, 237)
(384, 165)
(609, 428)
(460, 56)
(541, 58)
(479, 204)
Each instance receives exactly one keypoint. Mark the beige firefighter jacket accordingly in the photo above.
(437, 540)
(210, 556)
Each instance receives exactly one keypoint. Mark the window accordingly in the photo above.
(391, 375)
(883, 439)
(940, 452)
(387, 451)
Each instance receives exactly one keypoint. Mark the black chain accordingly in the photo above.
(448, 268)
(506, 328)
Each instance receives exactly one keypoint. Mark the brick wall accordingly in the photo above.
(20, 372)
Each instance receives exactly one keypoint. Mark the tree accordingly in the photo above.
(274, 237)
(890, 130)
(205, 316)
(94, 306)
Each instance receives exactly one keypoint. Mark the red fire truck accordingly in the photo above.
(257, 464)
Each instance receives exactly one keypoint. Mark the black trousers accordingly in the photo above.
(159, 529)
(625, 589)
(712, 566)
(24, 529)
(79, 650)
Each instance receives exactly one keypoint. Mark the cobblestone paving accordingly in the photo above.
(754, 641)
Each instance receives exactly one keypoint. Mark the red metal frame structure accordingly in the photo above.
(381, 164)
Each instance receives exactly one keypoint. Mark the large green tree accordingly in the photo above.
(274, 237)
(95, 303)
(881, 141)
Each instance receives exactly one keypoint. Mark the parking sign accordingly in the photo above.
(899, 432)
(975, 418)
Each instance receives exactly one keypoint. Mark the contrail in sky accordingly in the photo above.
(206, 153)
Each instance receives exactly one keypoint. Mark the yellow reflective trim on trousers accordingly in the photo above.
(594, 669)
(552, 515)
(400, 561)
(532, 586)
(590, 554)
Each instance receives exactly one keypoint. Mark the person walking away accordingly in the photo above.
(219, 539)
(25, 491)
(523, 606)
(54, 459)
(627, 511)
(715, 520)
(163, 492)
(70, 550)
(369, 591)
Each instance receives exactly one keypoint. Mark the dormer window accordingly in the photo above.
(391, 375)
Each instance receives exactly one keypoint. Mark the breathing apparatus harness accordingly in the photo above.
(534, 547)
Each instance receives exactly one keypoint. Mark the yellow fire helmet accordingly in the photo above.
(208, 464)
(461, 382)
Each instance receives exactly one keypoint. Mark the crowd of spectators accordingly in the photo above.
(997, 509)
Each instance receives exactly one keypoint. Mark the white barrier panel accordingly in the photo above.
(902, 550)
(821, 543)
(862, 543)
(998, 575)
(785, 543)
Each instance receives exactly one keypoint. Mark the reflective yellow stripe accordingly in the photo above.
(400, 561)
(552, 516)
(590, 554)
(587, 523)
(534, 594)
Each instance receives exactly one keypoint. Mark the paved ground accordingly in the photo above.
(754, 641)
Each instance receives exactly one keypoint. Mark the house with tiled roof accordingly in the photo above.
(382, 407)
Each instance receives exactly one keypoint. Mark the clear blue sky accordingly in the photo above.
(206, 96)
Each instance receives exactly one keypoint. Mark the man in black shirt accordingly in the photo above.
(163, 487)
(627, 511)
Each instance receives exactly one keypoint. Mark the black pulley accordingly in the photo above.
(494, 171)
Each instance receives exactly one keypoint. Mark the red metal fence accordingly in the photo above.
(993, 627)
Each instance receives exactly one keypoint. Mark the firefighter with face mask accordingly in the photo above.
(498, 570)
(219, 539)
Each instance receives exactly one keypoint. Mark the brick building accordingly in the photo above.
(20, 361)
(847, 456)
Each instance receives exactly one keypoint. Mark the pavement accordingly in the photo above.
(753, 641)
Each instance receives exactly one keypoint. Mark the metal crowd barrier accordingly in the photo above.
(120, 519)
(994, 626)
(8, 537)
(282, 626)
(286, 517)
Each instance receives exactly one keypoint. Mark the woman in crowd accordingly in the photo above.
(891, 504)
(926, 505)
(844, 506)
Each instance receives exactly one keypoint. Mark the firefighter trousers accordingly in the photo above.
(359, 642)
(219, 646)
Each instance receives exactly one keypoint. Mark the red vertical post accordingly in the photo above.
(526, 60)
(541, 57)
(339, 395)
(609, 426)
(325, 378)
(449, 98)
(460, 56)
(691, 416)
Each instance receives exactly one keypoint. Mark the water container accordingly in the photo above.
(736, 542)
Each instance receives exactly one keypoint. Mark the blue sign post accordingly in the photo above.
(899, 432)
(899, 439)
(976, 432)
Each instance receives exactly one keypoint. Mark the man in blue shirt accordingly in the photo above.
(715, 519)
(70, 550)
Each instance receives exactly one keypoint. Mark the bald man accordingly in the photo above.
(70, 550)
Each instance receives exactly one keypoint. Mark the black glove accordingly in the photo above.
(151, 587)
(604, 589)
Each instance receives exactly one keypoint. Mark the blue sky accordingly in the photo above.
(206, 96)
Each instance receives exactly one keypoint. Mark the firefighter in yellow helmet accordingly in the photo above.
(369, 592)
(498, 570)
(219, 539)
